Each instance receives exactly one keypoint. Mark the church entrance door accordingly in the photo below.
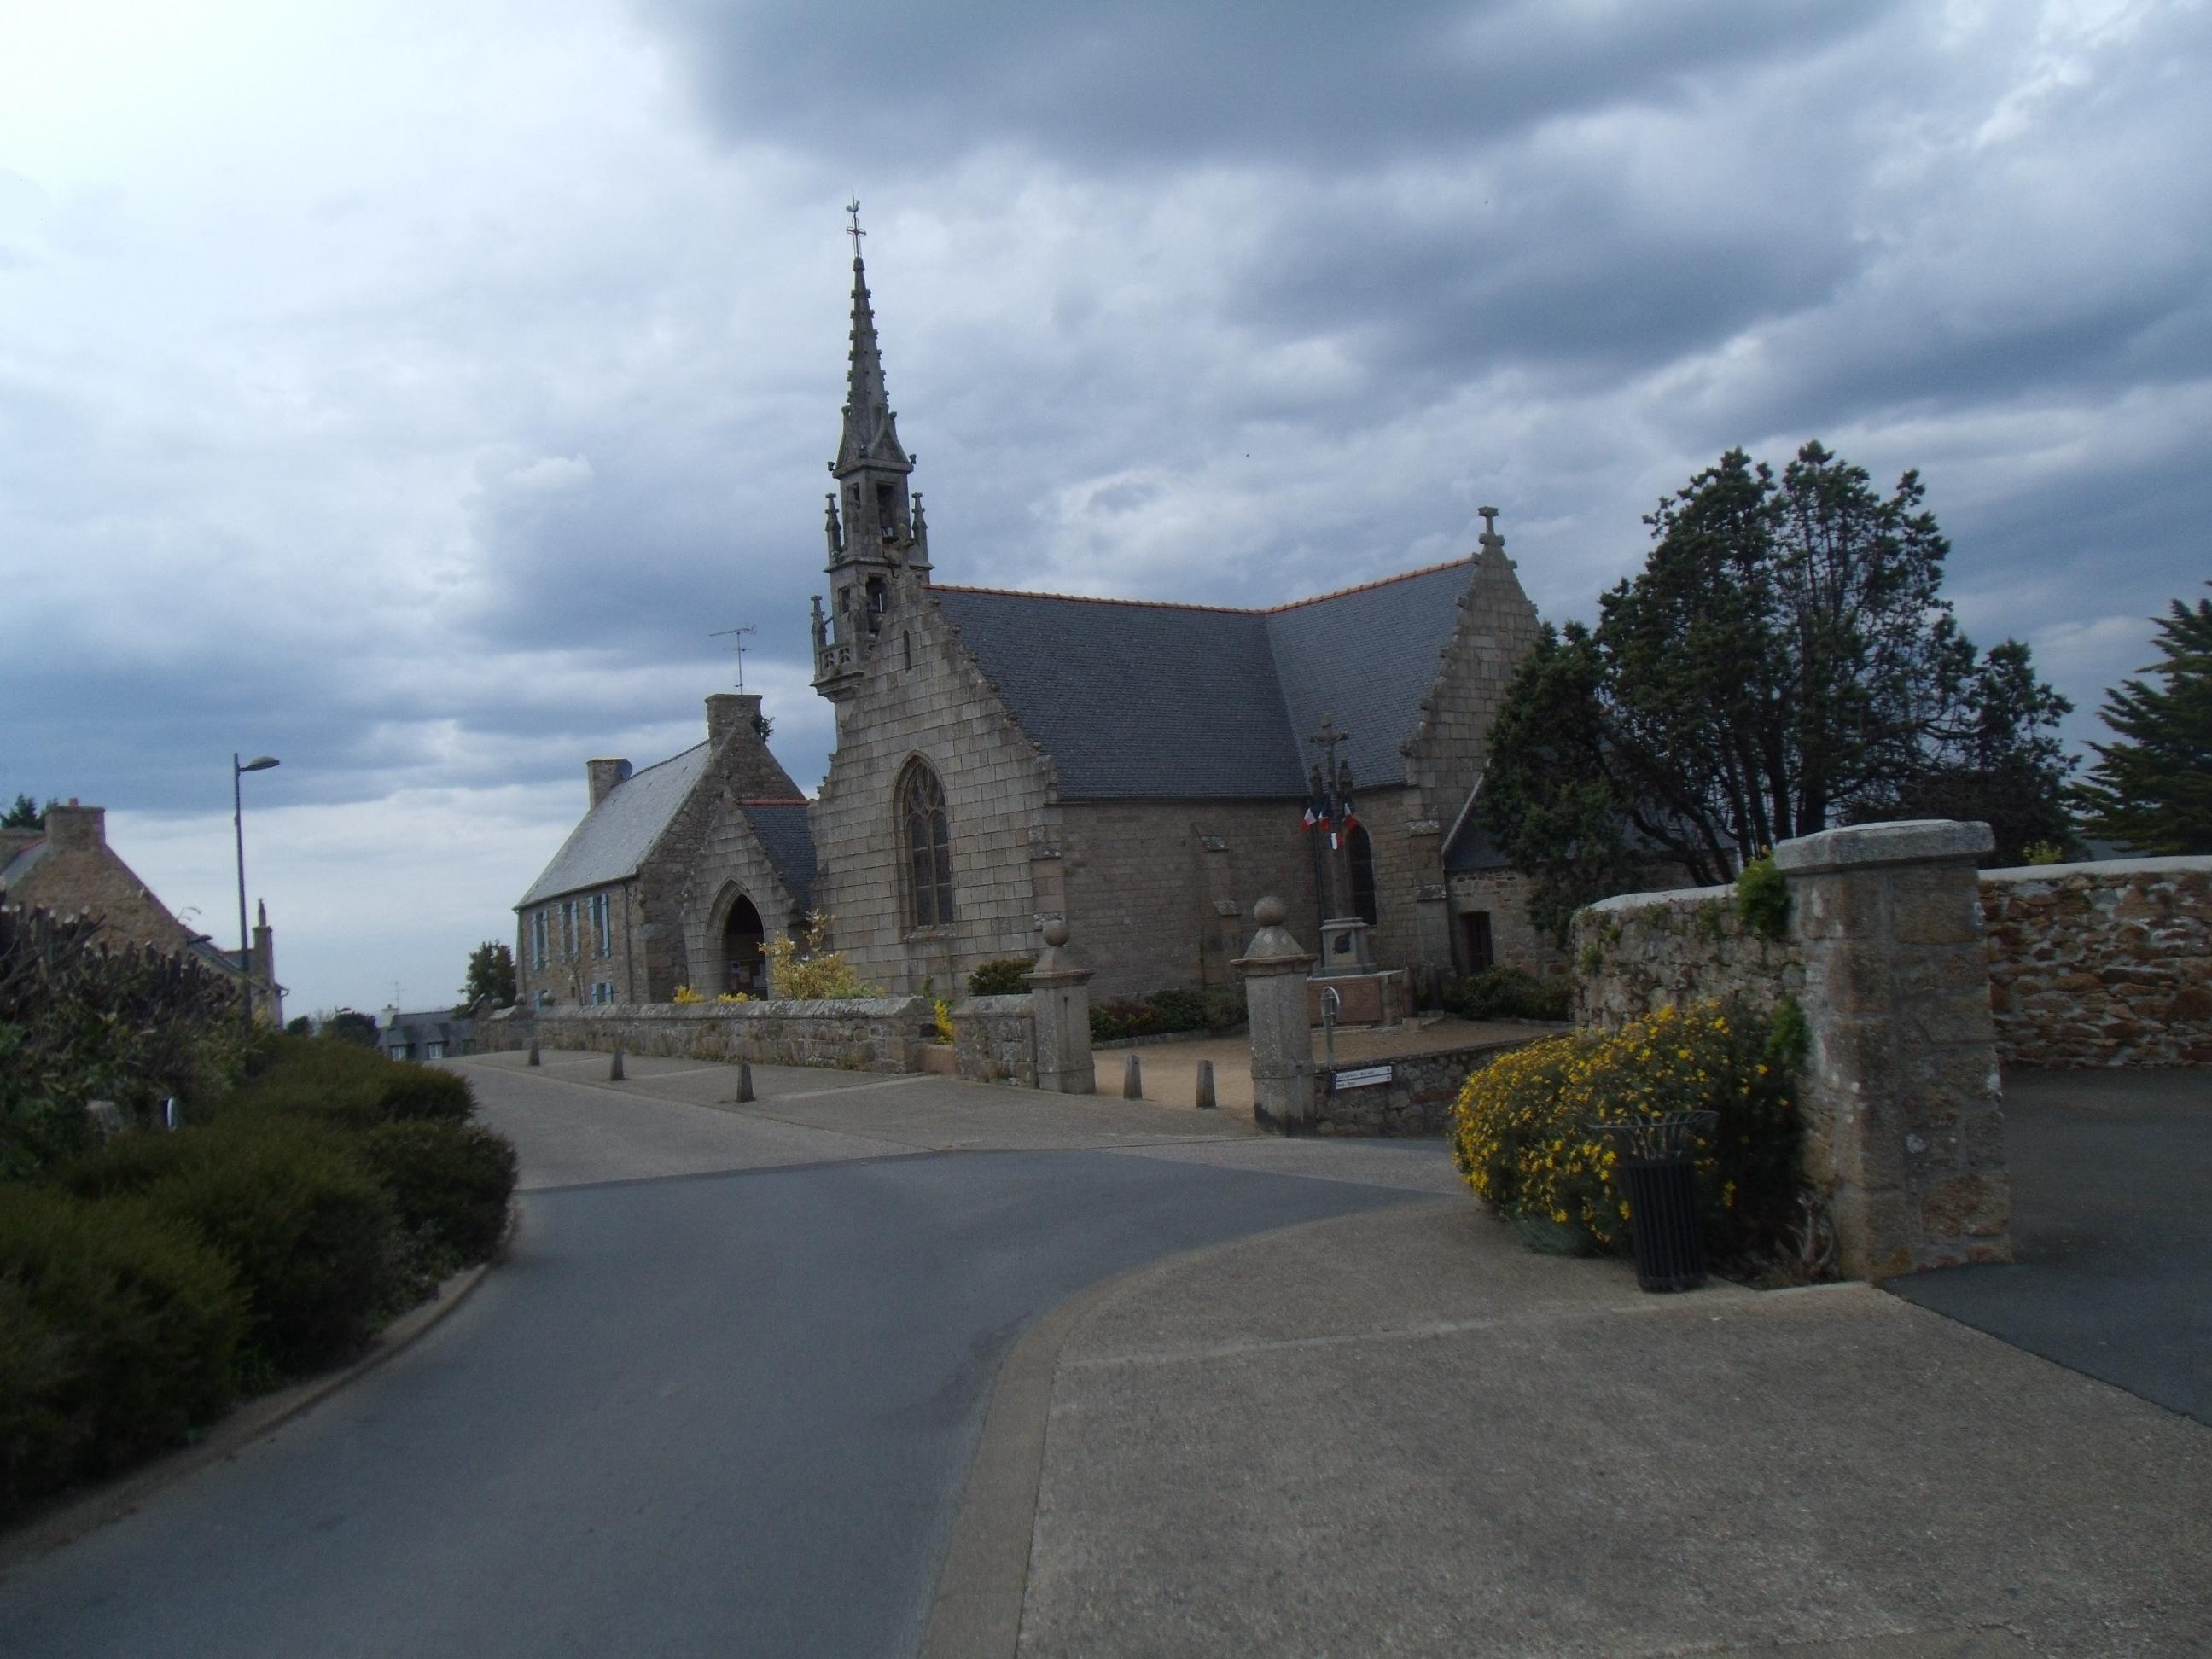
(743, 953)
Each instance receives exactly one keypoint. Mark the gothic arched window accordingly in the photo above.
(1362, 875)
(926, 843)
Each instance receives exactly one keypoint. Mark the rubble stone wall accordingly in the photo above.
(2101, 965)
(879, 1033)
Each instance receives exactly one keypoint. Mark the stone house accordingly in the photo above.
(68, 867)
(1147, 771)
(676, 876)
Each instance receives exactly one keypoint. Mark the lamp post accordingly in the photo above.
(238, 770)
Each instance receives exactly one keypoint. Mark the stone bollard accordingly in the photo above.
(745, 1083)
(1205, 1101)
(533, 1060)
(615, 1068)
(1060, 999)
(1274, 970)
(1133, 1080)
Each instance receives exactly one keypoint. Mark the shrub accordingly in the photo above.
(354, 1087)
(118, 1329)
(1762, 898)
(684, 993)
(449, 1183)
(1521, 1127)
(941, 1020)
(1005, 977)
(1504, 993)
(1123, 1016)
(807, 970)
(307, 1230)
(1179, 1009)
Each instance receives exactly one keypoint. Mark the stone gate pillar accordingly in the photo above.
(1904, 1128)
(1274, 970)
(1059, 992)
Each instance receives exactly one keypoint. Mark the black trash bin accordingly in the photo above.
(1658, 1176)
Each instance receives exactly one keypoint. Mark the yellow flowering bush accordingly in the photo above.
(806, 970)
(1521, 1129)
(685, 993)
(943, 1010)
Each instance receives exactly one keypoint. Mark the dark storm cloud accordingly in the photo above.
(890, 86)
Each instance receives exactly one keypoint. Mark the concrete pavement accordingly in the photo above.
(1400, 1433)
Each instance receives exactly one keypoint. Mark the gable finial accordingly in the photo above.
(1491, 540)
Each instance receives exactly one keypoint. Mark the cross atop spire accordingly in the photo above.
(854, 230)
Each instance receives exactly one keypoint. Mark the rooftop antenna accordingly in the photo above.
(740, 648)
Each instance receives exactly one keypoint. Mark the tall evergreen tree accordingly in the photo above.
(1785, 662)
(2152, 790)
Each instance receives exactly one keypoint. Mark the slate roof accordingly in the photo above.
(616, 836)
(782, 828)
(1157, 701)
(22, 864)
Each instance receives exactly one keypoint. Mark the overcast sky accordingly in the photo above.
(409, 390)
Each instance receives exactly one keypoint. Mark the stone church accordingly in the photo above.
(1146, 770)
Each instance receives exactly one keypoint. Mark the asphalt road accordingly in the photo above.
(724, 1412)
(2111, 1177)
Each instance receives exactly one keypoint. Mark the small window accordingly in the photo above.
(925, 839)
(907, 639)
(603, 938)
(537, 938)
(434, 1050)
(567, 929)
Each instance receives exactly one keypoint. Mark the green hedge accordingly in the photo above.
(286, 1201)
(1006, 976)
(118, 1328)
(450, 1183)
(1178, 1008)
(1504, 993)
(357, 1087)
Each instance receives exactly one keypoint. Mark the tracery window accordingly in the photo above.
(926, 843)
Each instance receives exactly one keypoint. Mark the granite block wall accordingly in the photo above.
(882, 1034)
(1640, 952)
(994, 1040)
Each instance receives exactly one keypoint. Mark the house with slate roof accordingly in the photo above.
(1142, 769)
(676, 876)
(68, 867)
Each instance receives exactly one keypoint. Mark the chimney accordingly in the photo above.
(602, 776)
(729, 712)
(263, 967)
(78, 828)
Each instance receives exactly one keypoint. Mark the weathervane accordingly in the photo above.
(854, 230)
(737, 635)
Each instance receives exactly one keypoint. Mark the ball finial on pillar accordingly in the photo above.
(1271, 912)
(1056, 932)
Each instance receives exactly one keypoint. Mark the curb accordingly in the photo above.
(976, 1613)
(70, 1516)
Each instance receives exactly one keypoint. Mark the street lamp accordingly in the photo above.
(238, 770)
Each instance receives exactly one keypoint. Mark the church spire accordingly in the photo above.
(870, 435)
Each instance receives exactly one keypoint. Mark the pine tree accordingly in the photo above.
(2152, 791)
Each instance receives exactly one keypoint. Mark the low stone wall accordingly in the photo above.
(876, 1033)
(1418, 1099)
(1643, 951)
(2101, 965)
(994, 1040)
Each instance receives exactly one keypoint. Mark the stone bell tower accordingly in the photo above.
(878, 543)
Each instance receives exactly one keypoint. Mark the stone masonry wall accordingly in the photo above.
(1418, 1099)
(1157, 891)
(566, 981)
(1640, 952)
(728, 863)
(2101, 965)
(882, 1034)
(994, 1040)
(997, 792)
(1515, 941)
